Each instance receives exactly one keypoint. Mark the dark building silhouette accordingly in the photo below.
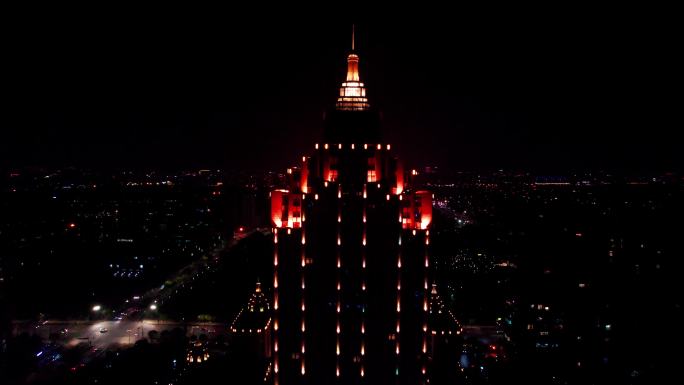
(444, 341)
(251, 328)
(351, 238)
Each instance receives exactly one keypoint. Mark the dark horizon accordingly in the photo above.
(572, 92)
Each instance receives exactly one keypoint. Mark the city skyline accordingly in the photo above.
(474, 198)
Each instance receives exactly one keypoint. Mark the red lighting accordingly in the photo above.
(72, 225)
(286, 209)
(417, 211)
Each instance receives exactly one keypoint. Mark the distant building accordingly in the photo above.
(251, 328)
(444, 341)
(197, 352)
(351, 239)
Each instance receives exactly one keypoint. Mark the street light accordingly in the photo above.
(153, 307)
(96, 310)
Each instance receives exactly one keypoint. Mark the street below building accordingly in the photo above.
(107, 334)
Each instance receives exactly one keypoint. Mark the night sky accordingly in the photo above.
(544, 90)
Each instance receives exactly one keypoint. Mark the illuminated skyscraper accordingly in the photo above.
(351, 238)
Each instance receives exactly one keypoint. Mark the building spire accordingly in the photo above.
(352, 93)
(353, 37)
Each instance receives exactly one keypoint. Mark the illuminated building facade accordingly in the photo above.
(444, 341)
(251, 328)
(351, 238)
(197, 352)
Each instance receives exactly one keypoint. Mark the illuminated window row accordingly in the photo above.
(352, 94)
(352, 84)
(378, 146)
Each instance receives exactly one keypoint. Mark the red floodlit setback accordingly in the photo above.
(286, 209)
(417, 211)
(294, 178)
(304, 183)
(399, 188)
(330, 171)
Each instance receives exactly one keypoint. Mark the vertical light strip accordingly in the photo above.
(425, 305)
(398, 319)
(303, 278)
(338, 328)
(275, 308)
(363, 294)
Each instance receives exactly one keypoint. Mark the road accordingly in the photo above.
(119, 333)
(183, 279)
(129, 330)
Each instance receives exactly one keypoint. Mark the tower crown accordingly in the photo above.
(352, 92)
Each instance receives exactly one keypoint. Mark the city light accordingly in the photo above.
(539, 256)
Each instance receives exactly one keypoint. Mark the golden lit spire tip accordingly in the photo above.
(352, 95)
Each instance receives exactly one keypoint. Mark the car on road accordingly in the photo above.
(103, 330)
